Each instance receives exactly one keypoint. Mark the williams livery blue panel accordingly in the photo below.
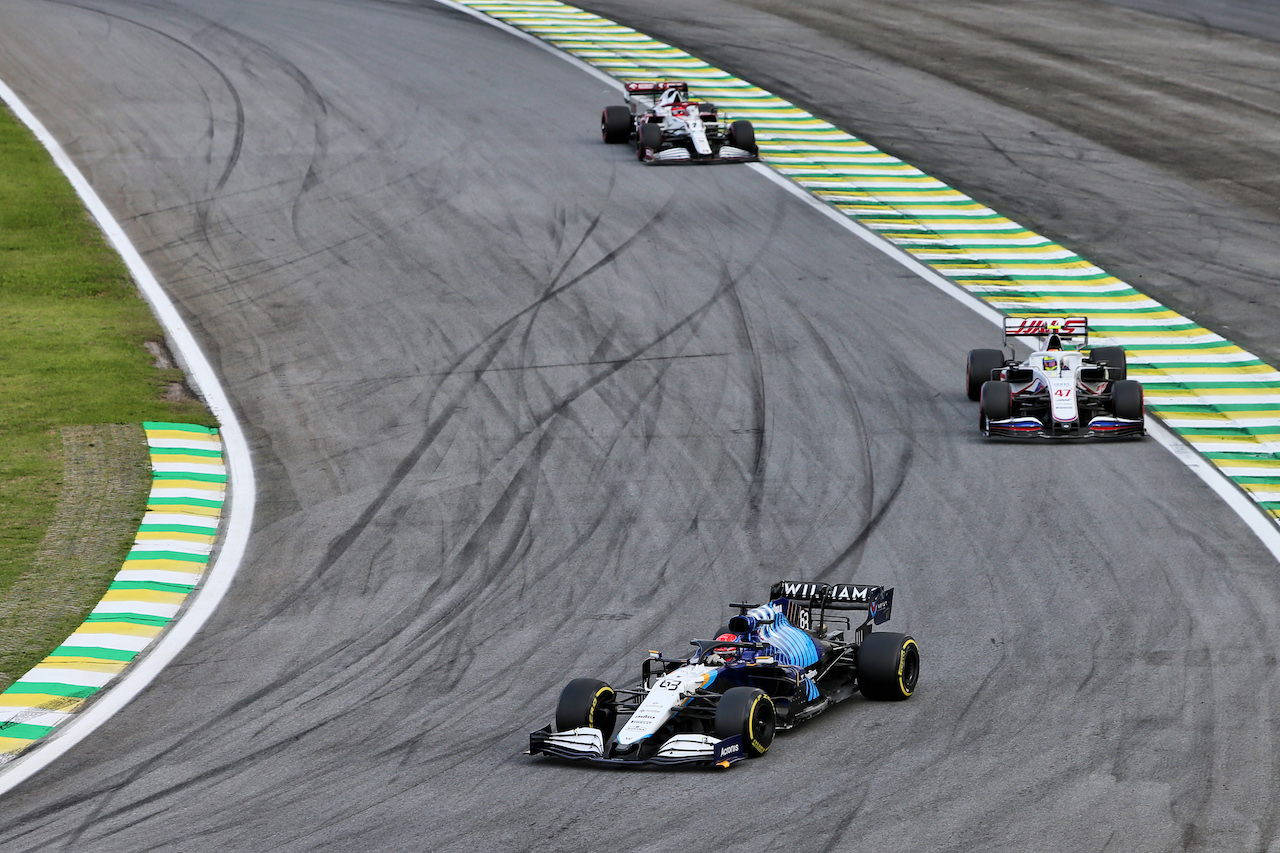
(790, 645)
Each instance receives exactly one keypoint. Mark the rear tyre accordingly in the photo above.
(615, 124)
(888, 666)
(978, 367)
(1126, 398)
(742, 134)
(1112, 357)
(747, 711)
(650, 139)
(587, 702)
(995, 402)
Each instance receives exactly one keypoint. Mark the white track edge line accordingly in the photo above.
(242, 493)
(1253, 515)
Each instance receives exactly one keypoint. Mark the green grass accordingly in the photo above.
(72, 335)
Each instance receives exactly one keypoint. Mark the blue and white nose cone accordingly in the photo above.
(670, 694)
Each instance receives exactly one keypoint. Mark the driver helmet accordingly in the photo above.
(728, 652)
(1050, 362)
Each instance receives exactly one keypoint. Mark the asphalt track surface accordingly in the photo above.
(1255, 18)
(522, 409)
(1145, 143)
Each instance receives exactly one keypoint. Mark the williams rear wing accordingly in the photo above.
(1070, 330)
(804, 597)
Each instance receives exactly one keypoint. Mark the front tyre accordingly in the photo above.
(615, 124)
(749, 712)
(650, 139)
(587, 702)
(742, 134)
(888, 666)
(995, 402)
(1126, 398)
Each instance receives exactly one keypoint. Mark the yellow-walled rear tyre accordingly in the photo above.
(888, 666)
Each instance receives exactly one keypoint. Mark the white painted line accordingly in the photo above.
(206, 444)
(172, 518)
(33, 716)
(197, 494)
(125, 642)
(239, 518)
(63, 675)
(187, 467)
(1253, 515)
(142, 608)
(159, 576)
(142, 547)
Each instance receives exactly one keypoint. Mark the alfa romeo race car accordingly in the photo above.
(1057, 392)
(776, 665)
(667, 127)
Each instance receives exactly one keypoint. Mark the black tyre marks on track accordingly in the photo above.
(203, 207)
(536, 409)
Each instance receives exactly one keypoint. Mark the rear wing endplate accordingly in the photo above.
(1073, 330)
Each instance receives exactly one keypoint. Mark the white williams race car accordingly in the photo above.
(1058, 392)
(667, 127)
(774, 666)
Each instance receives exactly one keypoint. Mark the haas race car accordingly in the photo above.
(776, 665)
(667, 127)
(1057, 392)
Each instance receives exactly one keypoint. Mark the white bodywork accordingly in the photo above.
(589, 742)
(585, 740)
(689, 746)
(678, 118)
(667, 696)
(671, 692)
(686, 118)
(1056, 373)
(1061, 382)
